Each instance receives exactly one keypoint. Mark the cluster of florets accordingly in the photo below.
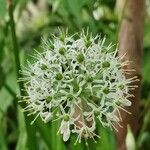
(79, 80)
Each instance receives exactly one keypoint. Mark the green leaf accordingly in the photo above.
(57, 142)
(3, 145)
(107, 140)
(78, 146)
(44, 130)
(22, 141)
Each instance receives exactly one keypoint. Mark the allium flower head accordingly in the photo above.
(79, 80)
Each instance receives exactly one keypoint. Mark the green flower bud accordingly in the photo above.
(70, 97)
(105, 64)
(118, 103)
(66, 118)
(104, 118)
(96, 113)
(106, 90)
(88, 44)
(32, 74)
(62, 51)
(118, 66)
(80, 58)
(89, 79)
(110, 109)
(49, 98)
(121, 86)
(58, 76)
(62, 37)
(88, 37)
(43, 67)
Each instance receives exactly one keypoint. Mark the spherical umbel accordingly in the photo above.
(78, 81)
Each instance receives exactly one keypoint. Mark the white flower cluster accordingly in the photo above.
(79, 80)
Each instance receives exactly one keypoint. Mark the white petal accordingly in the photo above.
(66, 135)
(48, 117)
(126, 102)
(64, 126)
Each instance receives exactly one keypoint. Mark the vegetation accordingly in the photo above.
(22, 24)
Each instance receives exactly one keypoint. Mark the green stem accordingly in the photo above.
(15, 44)
(29, 128)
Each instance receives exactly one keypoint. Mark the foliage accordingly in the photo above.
(34, 19)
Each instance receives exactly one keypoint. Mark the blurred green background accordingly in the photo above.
(39, 18)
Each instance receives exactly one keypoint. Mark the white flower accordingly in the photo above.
(84, 131)
(71, 72)
(46, 116)
(65, 129)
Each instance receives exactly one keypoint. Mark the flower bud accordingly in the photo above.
(130, 141)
